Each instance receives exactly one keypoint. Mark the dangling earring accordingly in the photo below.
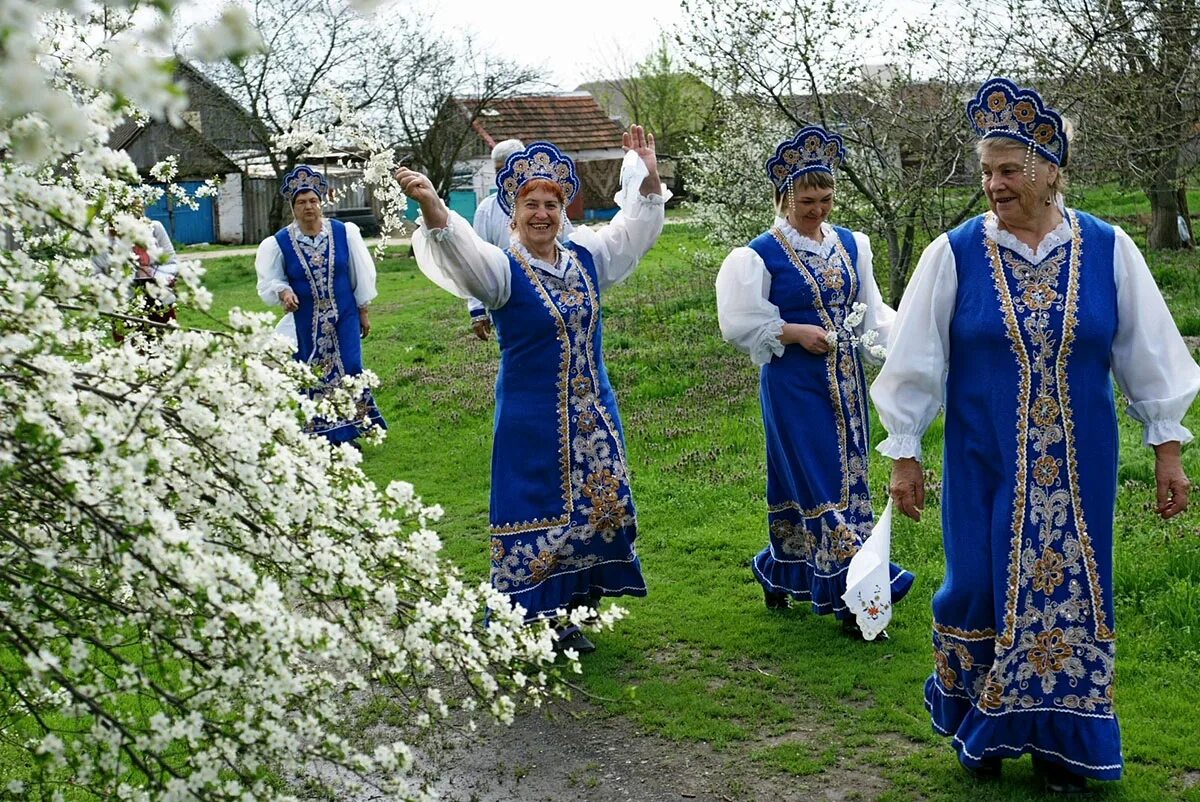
(512, 223)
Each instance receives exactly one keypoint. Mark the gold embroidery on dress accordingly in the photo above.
(1047, 644)
(843, 377)
(593, 464)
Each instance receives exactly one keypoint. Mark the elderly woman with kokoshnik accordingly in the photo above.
(784, 300)
(562, 517)
(321, 272)
(1018, 321)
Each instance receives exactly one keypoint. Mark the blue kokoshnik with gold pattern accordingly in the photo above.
(327, 322)
(562, 516)
(1023, 626)
(814, 412)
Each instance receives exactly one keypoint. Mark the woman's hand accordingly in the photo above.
(907, 487)
(289, 300)
(364, 321)
(642, 143)
(809, 337)
(418, 187)
(1172, 483)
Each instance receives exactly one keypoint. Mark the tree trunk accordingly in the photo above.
(898, 275)
(1164, 204)
(275, 218)
(1186, 214)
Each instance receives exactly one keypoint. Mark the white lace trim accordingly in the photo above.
(1006, 239)
(559, 270)
(802, 243)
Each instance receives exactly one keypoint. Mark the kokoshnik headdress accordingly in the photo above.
(303, 179)
(539, 160)
(811, 150)
(1002, 109)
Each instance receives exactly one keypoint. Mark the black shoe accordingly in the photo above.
(575, 640)
(988, 768)
(1058, 779)
(776, 601)
(850, 627)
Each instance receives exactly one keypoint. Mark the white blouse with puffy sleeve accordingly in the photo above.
(1150, 360)
(751, 323)
(268, 263)
(460, 262)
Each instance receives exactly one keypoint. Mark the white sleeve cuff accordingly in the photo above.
(768, 346)
(899, 446)
(1164, 431)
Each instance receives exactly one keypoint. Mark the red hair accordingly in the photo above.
(543, 183)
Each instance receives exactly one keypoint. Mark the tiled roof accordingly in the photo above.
(573, 122)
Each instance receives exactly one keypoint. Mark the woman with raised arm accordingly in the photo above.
(562, 517)
(801, 300)
(1017, 322)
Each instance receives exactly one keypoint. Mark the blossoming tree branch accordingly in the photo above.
(193, 591)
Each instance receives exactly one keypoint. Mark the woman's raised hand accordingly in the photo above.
(418, 187)
(642, 143)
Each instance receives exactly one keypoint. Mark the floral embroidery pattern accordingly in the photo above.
(596, 497)
(1055, 636)
(829, 534)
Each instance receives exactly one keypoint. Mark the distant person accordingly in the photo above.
(156, 264)
(322, 273)
(563, 522)
(494, 226)
(786, 300)
(1017, 322)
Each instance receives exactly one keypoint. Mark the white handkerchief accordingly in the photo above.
(286, 328)
(868, 581)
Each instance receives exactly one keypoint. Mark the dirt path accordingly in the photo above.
(580, 754)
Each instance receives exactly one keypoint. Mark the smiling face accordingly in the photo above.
(810, 205)
(1017, 200)
(538, 215)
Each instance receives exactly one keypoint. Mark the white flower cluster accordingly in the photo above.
(868, 340)
(195, 592)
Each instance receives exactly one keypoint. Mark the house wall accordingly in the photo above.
(231, 211)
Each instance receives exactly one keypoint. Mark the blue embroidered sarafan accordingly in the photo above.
(539, 160)
(812, 149)
(303, 179)
(1003, 109)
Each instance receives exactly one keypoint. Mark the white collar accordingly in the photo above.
(558, 270)
(315, 239)
(1006, 239)
(802, 243)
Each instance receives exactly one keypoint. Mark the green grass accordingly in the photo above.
(700, 659)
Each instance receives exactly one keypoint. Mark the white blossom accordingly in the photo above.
(245, 581)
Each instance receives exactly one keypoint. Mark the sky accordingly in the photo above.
(632, 26)
(582, 37)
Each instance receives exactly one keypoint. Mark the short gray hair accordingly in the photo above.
(504, 149)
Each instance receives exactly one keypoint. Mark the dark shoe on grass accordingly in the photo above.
(988, 768)
(1058, 779)
(574, 640)
(850, 627)
(775, 601)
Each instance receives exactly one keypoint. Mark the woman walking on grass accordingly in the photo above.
(562, 517)
(1018, 321)
(802, 301)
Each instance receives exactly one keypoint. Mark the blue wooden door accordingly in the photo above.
(463, 202)
(185, 225)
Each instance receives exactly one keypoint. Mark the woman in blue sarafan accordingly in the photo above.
(322, 274)
(1018, 321)
(802, 301)
(562, 517)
